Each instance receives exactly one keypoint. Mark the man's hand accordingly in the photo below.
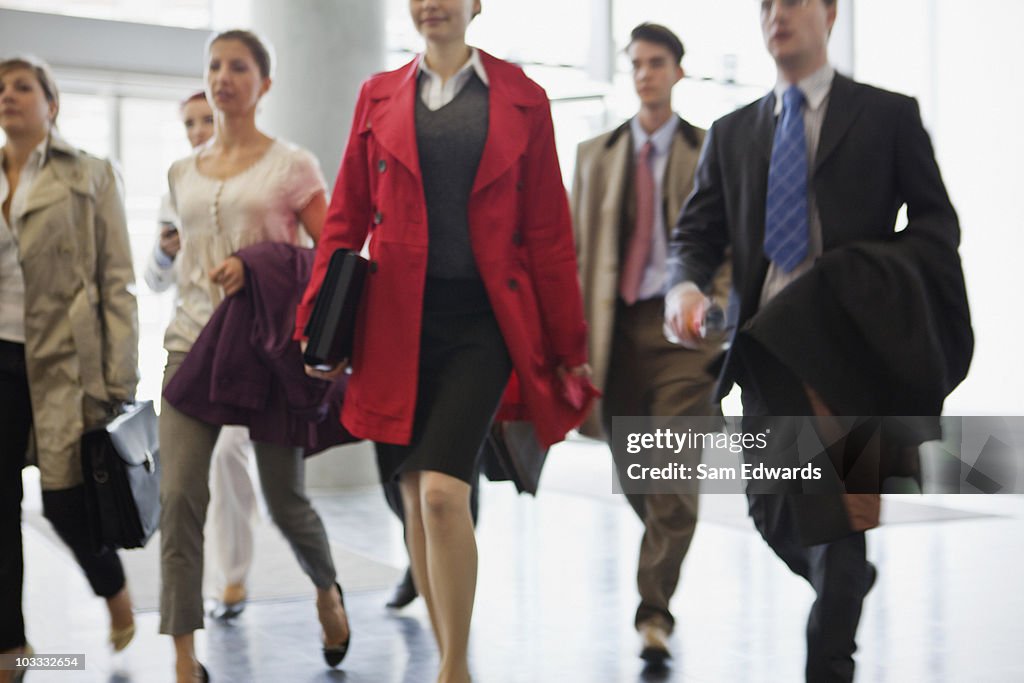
(684, 309)
(230, 275)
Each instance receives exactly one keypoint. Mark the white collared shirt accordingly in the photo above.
(12, 281)
(816, 89)
(655, 274)
(436, 92)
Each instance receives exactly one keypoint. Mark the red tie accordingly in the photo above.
(639, 250)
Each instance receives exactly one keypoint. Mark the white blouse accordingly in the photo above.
(216, 218)
(12, 280)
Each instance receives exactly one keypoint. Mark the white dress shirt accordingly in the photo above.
(12, 282)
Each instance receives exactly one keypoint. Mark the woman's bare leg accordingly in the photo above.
(451, 559)
(186, 666)
(416, 543)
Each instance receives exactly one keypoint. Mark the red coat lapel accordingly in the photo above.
(508, 131)
(394, 122)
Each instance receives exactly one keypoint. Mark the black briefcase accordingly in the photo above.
(121, 468)
(331, 327)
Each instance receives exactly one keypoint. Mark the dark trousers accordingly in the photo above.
(837, 570)
(15, 422)
(64, 508)
(67, 513)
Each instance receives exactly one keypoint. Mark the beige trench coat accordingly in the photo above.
(81, 319)
(600, 181)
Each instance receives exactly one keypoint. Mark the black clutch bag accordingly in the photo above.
(331, 327)
(121, 468)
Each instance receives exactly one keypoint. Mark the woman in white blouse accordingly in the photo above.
(241, 188)
(234, 498)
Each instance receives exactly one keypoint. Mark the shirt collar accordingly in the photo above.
(815, 87)
(474, 63)
(660, 139)
(37, 157)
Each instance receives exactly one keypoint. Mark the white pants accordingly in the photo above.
(234, 504)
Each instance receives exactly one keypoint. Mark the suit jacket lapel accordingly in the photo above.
(678, 175)
(843, 108)
(616, 160)
(394, 124)
(763, 131)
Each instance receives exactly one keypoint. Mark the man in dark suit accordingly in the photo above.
(804, 186)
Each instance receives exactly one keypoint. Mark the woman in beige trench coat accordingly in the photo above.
(68, 332)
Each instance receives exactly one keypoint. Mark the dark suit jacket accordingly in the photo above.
(873, 156)
(855, 326)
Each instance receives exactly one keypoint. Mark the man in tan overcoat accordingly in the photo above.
(630, 185)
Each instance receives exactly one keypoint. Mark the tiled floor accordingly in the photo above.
(556, 597)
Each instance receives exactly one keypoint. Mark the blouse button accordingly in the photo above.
(382, 165)
(378, 218)
(513, 285)
(373, 266)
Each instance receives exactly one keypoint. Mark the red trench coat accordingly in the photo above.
(521, 235)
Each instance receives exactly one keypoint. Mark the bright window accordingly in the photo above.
(187, 13)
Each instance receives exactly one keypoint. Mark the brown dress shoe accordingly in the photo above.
(653, 644)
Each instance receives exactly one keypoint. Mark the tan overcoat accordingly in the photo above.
(81, 319)
(599, 193)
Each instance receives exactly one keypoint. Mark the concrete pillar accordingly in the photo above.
(324, 50)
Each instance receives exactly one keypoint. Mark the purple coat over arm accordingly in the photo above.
(245, 369)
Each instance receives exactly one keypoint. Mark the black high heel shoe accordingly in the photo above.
(206, 674)
(335, 653)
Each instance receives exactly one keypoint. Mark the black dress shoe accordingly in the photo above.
(405, 592)
(335, 653)
(205, 673)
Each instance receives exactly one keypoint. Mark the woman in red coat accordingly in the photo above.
(451, 172)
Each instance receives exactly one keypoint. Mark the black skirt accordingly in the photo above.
(464, 368)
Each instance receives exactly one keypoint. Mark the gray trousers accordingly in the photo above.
(186, 447)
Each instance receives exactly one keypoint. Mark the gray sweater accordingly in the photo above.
(451, 142)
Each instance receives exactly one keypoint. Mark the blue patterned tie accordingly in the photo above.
(786, 219)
